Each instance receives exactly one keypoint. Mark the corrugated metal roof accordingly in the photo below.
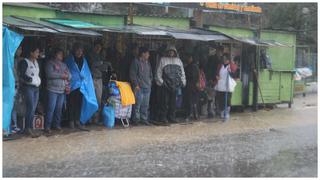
(26, 25)
(72, 23)
(191, 34)
(60, 28)
(255, 41)
(30, 5)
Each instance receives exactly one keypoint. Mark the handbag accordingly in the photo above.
(108, 116)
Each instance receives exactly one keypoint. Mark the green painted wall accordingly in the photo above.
(269, 82)
(233, 31)
(286, 86)
(283, 58)
(103, 20)
(178, 23)
(280, 88)
(9, 10)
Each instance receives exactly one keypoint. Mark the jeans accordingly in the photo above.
(221, 98)
(142, 104)
(54, 109)
(31, 94)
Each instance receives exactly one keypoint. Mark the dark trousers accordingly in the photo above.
(74, 105)
(167, 99)
(221, 100)
(190, 100)
(31, 94)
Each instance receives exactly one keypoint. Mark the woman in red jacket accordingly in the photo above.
(225, 84)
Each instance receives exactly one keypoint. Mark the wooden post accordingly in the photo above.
(130, 14)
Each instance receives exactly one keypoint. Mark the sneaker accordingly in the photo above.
(146, 123)
(82, 128)
(59, 129)
(161, 123)
(174, 121)
(48, 131)
(222, 114)
(31, 133)
(15, 130)
(210, 115)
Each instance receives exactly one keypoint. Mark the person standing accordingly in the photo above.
(58, 78)
(225, 85)
(191, 94)
(29, 73)
(141, 80)
(98, 66)
(17, 96)
(169, 76)
(82, 101)
(210, 72)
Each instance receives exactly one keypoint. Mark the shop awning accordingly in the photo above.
(33, 24)
(194, 34)
(274, 43)
(140, 30)
(191, 34)
(25, 25)
(73, 23)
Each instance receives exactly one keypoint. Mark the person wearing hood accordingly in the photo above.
(169, 76)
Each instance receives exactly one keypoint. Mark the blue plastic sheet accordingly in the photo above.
(10, 43)
(82, 79)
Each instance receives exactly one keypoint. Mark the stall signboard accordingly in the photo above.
(231, 7)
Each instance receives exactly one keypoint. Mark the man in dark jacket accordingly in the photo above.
(211, 67)
(169, 76)
(97, 66)
(141, 80)
(191, 93)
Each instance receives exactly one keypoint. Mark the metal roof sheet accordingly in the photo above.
(72, 23)
(26, 25)
(60, 28)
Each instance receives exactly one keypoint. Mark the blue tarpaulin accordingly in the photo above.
(10, 43)
(83, 80)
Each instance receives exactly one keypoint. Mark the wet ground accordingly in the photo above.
(276, 143)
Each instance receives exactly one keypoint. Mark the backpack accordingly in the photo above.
(202, 81)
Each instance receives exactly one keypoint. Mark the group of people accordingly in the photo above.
(213, 79)
(78, 82)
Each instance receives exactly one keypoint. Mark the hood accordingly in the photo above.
(172, 47)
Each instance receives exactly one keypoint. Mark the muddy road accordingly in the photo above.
(277, 143)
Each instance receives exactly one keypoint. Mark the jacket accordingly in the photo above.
(54, 73)
(141, 74)
(97, 65)
(192, 75)
(29, 72)
(170, 73)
